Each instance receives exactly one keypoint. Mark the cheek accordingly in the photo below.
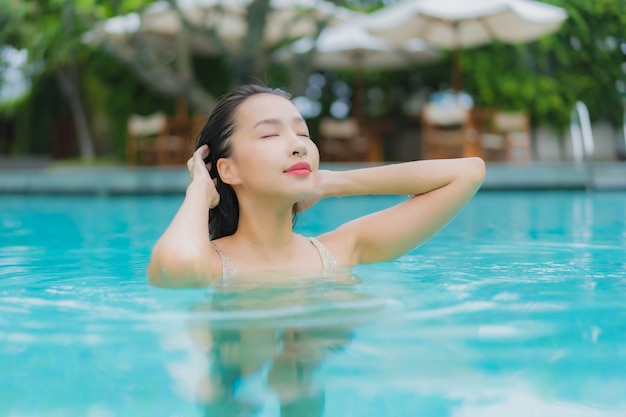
(248, 153)
(252, 158)
(315, 153)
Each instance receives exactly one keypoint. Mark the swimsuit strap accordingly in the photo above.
(328, 260)
(228, 268)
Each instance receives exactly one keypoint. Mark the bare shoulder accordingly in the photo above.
(341, 244)
(219, 252)
(184, 266)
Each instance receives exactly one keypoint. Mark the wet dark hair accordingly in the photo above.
(216, 133)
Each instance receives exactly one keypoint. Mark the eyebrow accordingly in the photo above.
(276, 121)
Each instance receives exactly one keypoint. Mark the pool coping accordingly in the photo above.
(126, 180)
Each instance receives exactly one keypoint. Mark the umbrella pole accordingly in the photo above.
(358, 88)
(358, 98)
(457, 81)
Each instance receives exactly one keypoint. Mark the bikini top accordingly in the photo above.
(229, 270)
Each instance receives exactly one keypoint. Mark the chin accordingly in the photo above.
(302, 193)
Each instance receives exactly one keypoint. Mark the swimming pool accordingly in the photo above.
(517, 308)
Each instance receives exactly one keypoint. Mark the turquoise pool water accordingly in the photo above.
(517, 308)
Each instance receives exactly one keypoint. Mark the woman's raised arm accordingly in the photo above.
(182, 257)
(440, 188)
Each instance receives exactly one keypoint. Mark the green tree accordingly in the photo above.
(168, 62)
(56, 34)
(582, 61)
(50, 31)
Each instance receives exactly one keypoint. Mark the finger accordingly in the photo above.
(203, 151)
(199, 168)
(198, 153)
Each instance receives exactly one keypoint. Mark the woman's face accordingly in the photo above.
(272, 153)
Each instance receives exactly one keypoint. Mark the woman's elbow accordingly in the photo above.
(475, 170)
(176, 268)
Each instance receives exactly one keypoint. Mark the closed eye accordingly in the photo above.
(271, 135)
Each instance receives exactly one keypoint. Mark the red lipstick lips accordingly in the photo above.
(299, 168)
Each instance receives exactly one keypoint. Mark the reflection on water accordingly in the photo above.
(259, 347)
(266, 371)
(335, 349)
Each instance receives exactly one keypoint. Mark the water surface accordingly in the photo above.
(516, 308)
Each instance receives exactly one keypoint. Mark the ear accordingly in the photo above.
(227, 170)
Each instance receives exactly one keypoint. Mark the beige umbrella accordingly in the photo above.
(160, 23)
(460, 24)
(350, 46)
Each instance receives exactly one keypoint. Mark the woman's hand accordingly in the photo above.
(199, 173)
(322, 190)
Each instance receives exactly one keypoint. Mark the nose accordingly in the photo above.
(299, 147)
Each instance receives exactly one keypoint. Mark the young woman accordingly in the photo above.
(256, 166)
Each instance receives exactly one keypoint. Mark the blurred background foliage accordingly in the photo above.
(84, 91)
(585, 60)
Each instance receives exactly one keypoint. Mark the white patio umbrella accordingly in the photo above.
(461, 24)
(160, 23)
(350, 46)
(158, 26)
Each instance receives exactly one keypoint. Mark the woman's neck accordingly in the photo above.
(265, 225)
